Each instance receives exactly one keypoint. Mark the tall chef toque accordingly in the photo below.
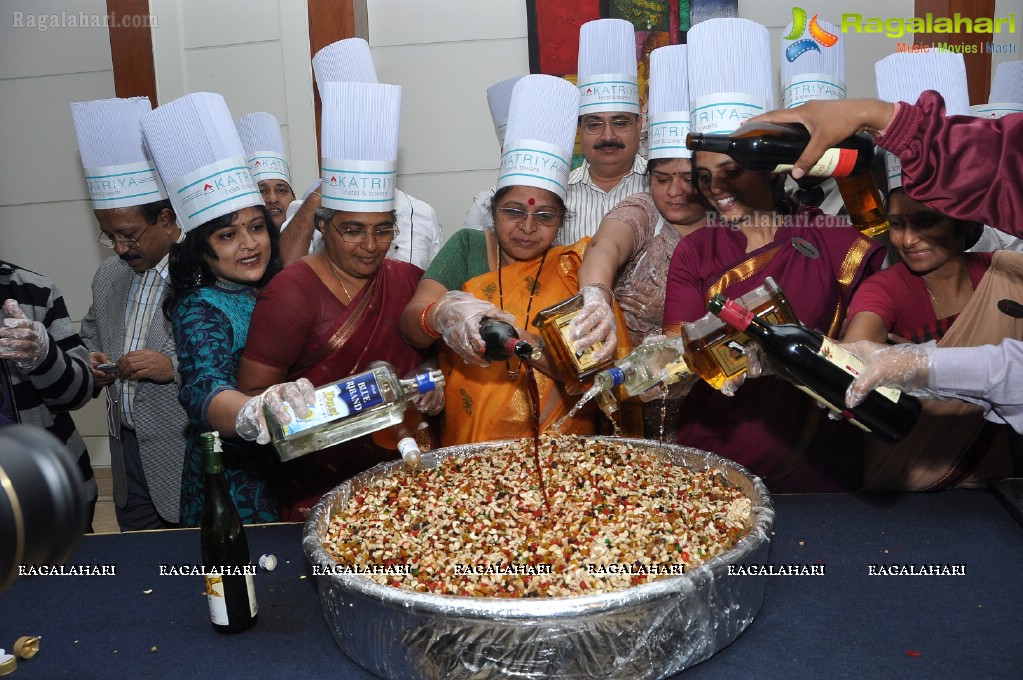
(118, 169)
(607, 74)
(540, 135)
(1006, 94)
(200, 158)
(359, 138)
(499, 100)
(730, 76)
(905, 76)
(668, 103)
(264, 147)
(345, 61)
(812, 62)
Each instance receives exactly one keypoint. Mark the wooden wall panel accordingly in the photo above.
(978, 64)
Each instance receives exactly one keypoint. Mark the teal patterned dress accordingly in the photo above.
(210, 329)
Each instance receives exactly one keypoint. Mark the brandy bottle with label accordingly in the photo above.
(770, 147)
(554, 327)
(816, 365)
(352, 407)
(225, 552)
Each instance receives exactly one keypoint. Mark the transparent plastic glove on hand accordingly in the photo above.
(904, 367)
(22, 341)
(431, 403)
(643, 305)
(250, 424)
(594, 323)
(457, 315)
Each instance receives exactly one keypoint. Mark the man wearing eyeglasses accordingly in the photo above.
(133, 355)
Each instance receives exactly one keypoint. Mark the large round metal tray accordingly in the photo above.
(652, 630)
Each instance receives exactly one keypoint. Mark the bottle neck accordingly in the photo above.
(741, 318)
(213, 462)
(421, 383)
(705, 142)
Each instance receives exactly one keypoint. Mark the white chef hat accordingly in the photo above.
(730, 76)
(904, 76)
(345, 61)
(200, 158)
(1006, 94)
(359, 137)
(607, 74)
(118, 170)
(264, 147)
(499, 100)
(812, 62)
(668, 103)
(540, 134)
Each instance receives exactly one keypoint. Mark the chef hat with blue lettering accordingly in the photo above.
(359, 137)
(730, 74)
(345, 61)
(812, 61)
(607, 76)
(118, 170)
(1006, 94)
(499, 100)
(264, 147)
(200, 158)
(668, 103)
(540, 135)
(904, 76)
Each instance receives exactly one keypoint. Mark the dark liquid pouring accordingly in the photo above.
(534, 398)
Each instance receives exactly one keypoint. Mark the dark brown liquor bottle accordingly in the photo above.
(816, 365)
(768, 147)
(225, 552)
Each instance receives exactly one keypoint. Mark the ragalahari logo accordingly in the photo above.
(817, 35)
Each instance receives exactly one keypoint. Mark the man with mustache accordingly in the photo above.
(132, 350)
(609, 127)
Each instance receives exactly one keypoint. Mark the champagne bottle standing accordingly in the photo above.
(502, 341)
(225, 551)
(769, 147)
(819, 367)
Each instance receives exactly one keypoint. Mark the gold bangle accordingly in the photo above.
(424, 324)
(607, 289)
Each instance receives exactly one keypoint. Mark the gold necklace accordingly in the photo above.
(514, 375)
(337, 275)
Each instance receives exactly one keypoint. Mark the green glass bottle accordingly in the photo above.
(225, 552)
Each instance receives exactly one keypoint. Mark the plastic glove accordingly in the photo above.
(432, 402)
(643, 305)
(457, 316)
(22, 341)
(904, 367)
(250, 423)
(595, 323)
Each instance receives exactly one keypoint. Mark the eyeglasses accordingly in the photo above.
(129, 243)
(359, 235)
(516, 216)
(595, 127)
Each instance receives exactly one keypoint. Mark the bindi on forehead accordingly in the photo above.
(531, 201)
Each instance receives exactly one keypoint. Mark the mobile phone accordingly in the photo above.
(107, 368)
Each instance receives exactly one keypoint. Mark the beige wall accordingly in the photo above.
(443, 52)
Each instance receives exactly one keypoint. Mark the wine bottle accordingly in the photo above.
(352, 407)
(819, 367)
(864, 204)
(502, 341)
(652, 363)
(770, 147)
(225, 552)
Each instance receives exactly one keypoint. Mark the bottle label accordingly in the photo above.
(341, 400)
(851, 365)
(834, 163)
(581, 361)
(217, 602)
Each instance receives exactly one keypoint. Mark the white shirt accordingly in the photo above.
(587, 203)
(419, 231)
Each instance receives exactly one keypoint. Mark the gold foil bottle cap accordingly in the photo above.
(26, 646)
(8, 664)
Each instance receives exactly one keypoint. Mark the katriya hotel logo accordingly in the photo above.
(818, 36)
